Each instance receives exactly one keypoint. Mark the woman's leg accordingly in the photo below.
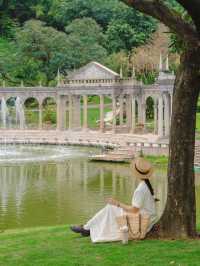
(103, 226)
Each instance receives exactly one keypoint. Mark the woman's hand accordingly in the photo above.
(113, 202)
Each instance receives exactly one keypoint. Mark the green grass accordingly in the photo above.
(198, 122)
(56, 246)
(93, 117)
(197, 137)
(96, 99)
(157, 159)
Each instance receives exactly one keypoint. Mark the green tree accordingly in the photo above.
(112, 16)
(8, 60)
(63, 12)
(14, 12)
(42, 46)
(110, 26)
(120, 36)
(85, 42)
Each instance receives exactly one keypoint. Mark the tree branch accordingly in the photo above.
(193, 9)
(158, 10)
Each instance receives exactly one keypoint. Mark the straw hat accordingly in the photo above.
(141, 168)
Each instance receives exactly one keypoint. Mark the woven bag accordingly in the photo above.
(133, 222)
(137, 224)
(121, 221)
(144, 224)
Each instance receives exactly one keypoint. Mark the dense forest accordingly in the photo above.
(38, 37)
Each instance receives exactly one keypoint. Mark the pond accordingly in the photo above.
(51, 185)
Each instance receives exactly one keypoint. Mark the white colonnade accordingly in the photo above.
(127, 113)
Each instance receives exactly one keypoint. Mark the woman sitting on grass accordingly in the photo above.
(103, 226)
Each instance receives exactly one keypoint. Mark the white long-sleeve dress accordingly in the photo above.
(103, 226)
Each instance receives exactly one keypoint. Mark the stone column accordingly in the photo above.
(102, 113)
(114, 122)
(85, 112)
(160, 116)
(76, 111)
(167, 115)
(133, 123)
(128, 112)
(61, 112)
(70, 112)
(40, 116)
(121, 107)
(140, 113)
(155, 116)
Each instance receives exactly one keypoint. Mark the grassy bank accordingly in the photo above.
(198, 122)
(58, 246)
(160, 160)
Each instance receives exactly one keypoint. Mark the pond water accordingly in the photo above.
(51, 185)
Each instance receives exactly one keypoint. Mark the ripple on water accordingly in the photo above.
(28, 153)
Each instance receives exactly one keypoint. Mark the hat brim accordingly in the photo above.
(138, 174)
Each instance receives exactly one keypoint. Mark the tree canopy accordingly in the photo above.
(49, 34)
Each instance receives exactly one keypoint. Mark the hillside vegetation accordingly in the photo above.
(40, 36)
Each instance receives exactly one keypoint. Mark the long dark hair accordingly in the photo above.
(148, 183)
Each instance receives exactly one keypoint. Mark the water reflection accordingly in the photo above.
(49, 193)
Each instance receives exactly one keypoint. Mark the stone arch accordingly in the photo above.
(49, 113)
(11, 100)
(31, 98)
(11, 112)
(31, 109)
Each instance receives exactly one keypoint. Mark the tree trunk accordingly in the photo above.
(179, 219)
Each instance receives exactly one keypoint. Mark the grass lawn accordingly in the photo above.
(198, 122)
(94, 116)
(58, 246)
(163, 160)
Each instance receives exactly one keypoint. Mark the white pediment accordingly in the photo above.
(93, 70)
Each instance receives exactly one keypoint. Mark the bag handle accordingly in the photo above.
(135, 235)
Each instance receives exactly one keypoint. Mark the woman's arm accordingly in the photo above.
(127, 208)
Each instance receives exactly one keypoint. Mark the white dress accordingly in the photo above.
(103, 226)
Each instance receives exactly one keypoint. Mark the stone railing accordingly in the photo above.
(128, 81)
(27, 89)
